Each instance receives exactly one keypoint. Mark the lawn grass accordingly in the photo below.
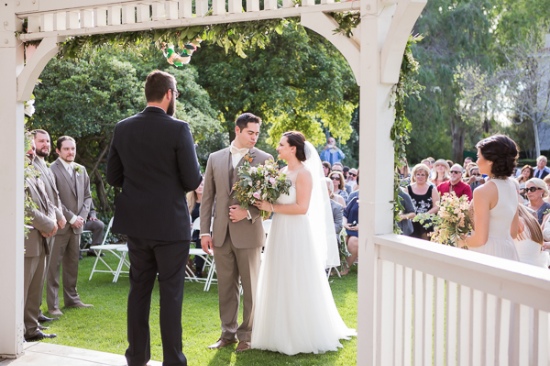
(103, 327)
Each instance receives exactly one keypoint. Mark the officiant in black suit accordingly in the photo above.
(152, 157)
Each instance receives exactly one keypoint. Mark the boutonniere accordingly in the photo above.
(249, 157)
(77, 169)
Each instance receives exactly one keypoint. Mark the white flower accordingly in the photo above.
(29, 108)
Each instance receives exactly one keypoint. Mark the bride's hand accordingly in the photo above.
(263, 205)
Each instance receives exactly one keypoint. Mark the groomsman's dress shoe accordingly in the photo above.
(81, 305)
(222, 342)
(43, 319)
(243, 346)
(55, 312)
(40, 336)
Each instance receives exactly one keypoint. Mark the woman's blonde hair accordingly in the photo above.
(420, 167)
(330, 187)
(342, 184)
(539, 183)
(532, 224)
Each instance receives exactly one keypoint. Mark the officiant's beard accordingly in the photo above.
(171, 110)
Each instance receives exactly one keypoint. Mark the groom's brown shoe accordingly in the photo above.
(243, 346)
(222, 342)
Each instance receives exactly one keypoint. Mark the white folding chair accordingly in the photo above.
(122, 262)
(108, 250)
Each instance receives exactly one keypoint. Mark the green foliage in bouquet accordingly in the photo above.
(261, 182)
(452, 221)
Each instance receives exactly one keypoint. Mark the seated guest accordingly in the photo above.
(326, 168)
(441, 172)
(424, 197)
(456, 184)
(96, 226)
(473, 177)
(407, 214)
(525, 174)
(536, 191)
(351, 224)
(339, 185)
(337, 209)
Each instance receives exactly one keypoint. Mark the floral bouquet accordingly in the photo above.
(452, 221)
(262, 182)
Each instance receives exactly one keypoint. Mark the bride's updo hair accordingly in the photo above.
(298, 140)
(502, 151)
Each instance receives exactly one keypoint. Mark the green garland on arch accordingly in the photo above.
(406, 87)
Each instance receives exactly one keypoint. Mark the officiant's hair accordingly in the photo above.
(502, 151)
(244, 119)
(298, 140)
(157, 85)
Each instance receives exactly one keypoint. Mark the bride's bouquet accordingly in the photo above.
(262, 182)
(452, 221)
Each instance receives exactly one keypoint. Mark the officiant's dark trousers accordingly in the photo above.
(168, 259)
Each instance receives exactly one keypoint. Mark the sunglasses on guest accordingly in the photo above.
(335, 178)
(352, 174)
(456, 172)
(532, 189)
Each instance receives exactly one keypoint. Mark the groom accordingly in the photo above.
(238, 234)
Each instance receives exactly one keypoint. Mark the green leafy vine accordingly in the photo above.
(406, 87)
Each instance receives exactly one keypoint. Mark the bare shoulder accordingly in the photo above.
(486, 192)
(303, 175)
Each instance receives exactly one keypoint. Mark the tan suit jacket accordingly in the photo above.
(36, 249)
(76, 199)
(47, 177)
(217, 197)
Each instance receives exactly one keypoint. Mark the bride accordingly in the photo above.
(294, 310)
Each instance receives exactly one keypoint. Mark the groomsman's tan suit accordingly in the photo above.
(237, 245)
(74, 192)
(36, 250)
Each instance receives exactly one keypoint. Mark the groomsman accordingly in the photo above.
(73, 184)
(44, 226)
(43, 148)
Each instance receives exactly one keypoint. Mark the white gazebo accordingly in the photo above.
(419, 303)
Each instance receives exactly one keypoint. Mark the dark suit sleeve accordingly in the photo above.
(115, 170)
(189, 171)
(208, 195)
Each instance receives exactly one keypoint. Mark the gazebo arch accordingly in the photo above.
(374, 53)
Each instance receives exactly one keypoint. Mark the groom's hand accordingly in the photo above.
(237, 213)
(206, 244)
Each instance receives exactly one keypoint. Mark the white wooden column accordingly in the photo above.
(11, 187)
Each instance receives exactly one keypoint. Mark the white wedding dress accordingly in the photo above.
(294, 310)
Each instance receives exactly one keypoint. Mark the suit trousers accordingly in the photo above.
(96, 227)
(168, 259)
(33, 284)
(65, 252)
(233, 264)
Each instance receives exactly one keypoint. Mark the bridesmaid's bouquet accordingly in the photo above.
(262, 182)
(452, 221)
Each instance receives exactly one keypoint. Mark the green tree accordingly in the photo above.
(455, 34)
(85, 97)
(299, 81)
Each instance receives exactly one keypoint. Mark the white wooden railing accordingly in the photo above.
(438, 305)
(121, 16)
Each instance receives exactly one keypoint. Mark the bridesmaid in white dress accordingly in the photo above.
(294, 310)
(496, 219)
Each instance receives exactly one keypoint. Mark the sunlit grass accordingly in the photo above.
(103, 327)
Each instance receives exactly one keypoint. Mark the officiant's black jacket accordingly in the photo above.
(153, 159)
